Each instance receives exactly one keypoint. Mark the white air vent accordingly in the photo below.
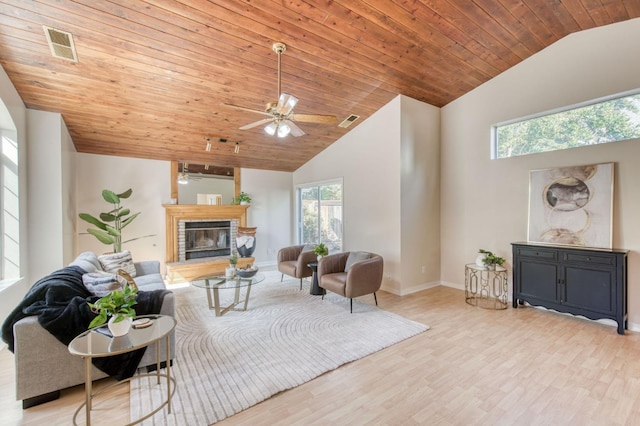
(348, 121)
(61, 44)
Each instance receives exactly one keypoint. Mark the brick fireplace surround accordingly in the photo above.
(181, 271)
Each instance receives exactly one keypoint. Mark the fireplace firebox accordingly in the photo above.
(207, 239)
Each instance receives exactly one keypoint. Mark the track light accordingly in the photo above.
(237, 148)
(208, 148)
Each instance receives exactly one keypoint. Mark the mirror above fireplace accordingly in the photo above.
(203, 179)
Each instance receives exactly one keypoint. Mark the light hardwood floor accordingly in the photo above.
(474, 366)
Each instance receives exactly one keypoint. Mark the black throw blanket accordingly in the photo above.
(60, 302)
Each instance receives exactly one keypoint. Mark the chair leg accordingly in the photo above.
(375, 298)
(300, 284)
(351, 302)
(282, 277)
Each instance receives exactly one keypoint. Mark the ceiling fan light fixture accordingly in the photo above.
(286, 103)
(283, 130)
(182, 178)
(271, 128)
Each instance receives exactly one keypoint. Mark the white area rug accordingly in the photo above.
(286, 337)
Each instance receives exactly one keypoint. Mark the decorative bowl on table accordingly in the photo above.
(247, 272)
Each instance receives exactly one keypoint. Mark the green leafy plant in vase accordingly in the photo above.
(321, 250)
(489, 260)
(230, 271)
(111, 223)
(116, 308)
(243, 198)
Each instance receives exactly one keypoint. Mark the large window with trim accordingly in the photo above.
(9, 211)
(319, 214)
(611, 119)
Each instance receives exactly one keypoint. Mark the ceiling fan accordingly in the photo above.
(281, 116)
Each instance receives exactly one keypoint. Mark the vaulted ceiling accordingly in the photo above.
(152, 76)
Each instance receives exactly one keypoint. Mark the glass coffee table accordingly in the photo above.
(214, 284)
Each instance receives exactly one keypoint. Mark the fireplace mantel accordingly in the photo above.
(177, 212)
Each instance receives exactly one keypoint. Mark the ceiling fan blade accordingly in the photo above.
(241, 108)
(256, 123)
(314, 118)
(295, 130)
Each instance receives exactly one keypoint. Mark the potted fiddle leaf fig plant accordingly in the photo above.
(116, 308)
(111, 223)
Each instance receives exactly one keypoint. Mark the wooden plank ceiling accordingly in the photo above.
(151, 75)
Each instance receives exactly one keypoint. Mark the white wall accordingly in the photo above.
(420, 195)
(368, 160)
(50, 193)
(271, 211)
(484, 202)
(389, 166)
(150, 181)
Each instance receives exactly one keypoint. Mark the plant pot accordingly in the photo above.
(229, 272)
(480, 260)
(119, 328)
(120, 343)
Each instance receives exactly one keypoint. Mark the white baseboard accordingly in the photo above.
(410, 290)
(452, 285)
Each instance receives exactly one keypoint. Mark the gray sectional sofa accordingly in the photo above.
(44, 365)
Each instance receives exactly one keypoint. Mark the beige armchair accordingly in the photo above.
(293, 261)
(351, 274)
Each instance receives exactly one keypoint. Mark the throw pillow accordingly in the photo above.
(113, 261)
(356, 256)
(88, 261)
(101, 283)
(308, 247)
(129, 279)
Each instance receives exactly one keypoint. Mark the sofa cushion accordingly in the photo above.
(102, 283)
(88, 261)
(113, 261)
(356, 256)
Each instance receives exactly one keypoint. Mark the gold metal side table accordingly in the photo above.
(486, 288)
(95, 344)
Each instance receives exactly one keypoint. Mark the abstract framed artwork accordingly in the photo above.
(572, 205)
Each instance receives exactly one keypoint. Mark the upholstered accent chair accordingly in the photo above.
(351, 274)
(294, 260)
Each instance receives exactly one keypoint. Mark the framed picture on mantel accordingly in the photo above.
(572, 205)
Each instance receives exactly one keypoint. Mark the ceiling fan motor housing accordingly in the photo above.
(279, 48)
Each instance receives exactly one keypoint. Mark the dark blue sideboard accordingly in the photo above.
(579, 281)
